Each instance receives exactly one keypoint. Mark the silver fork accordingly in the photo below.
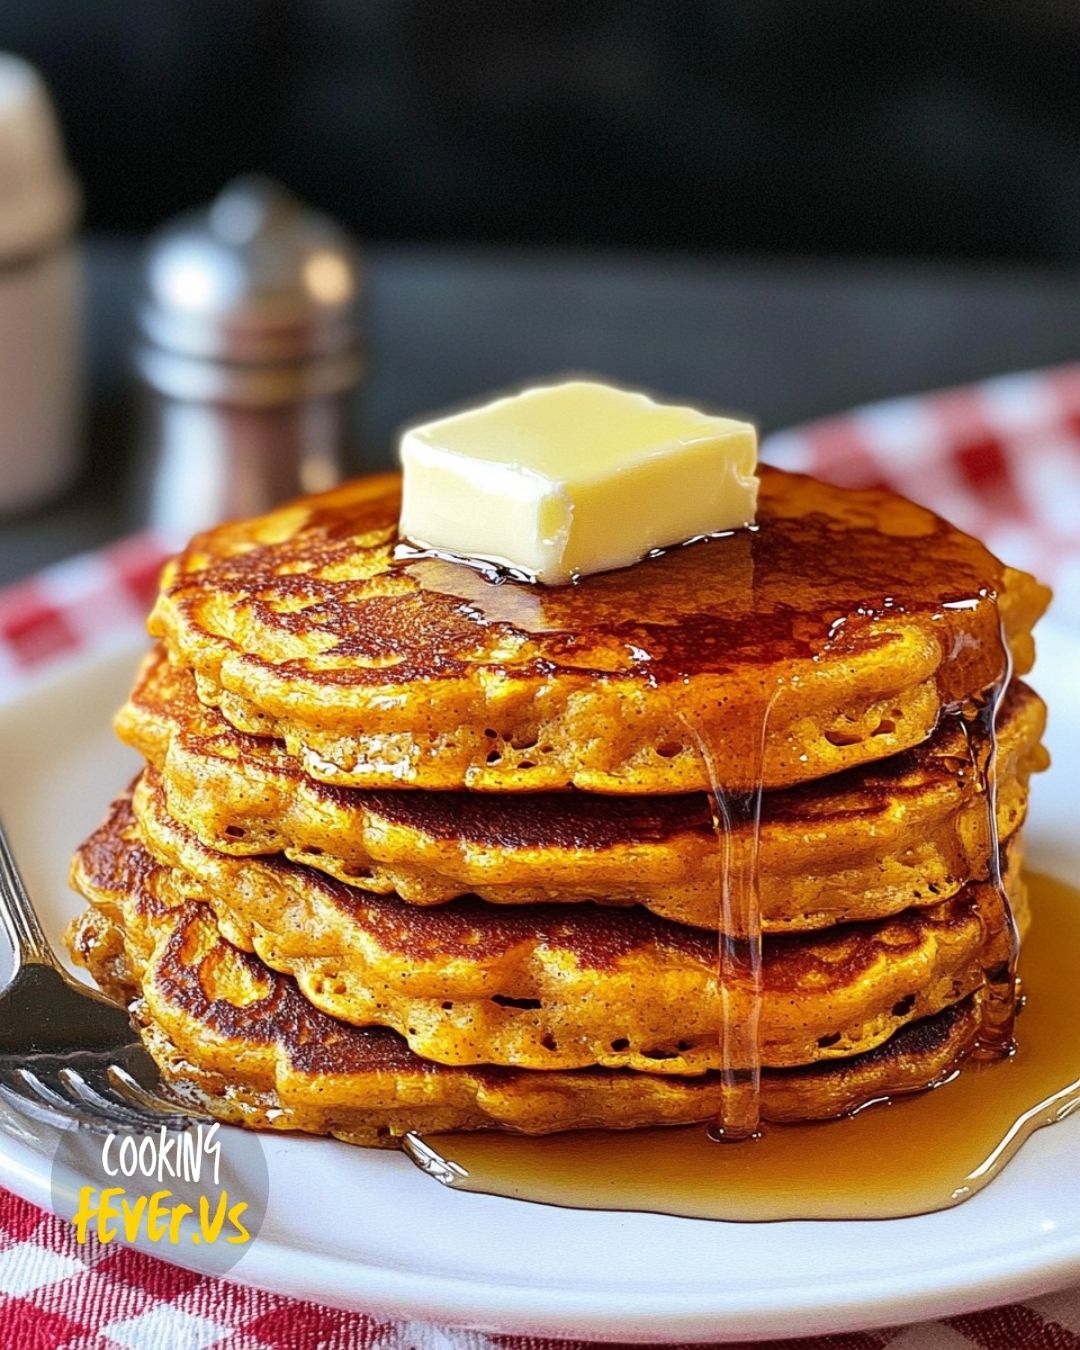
(69, 1055)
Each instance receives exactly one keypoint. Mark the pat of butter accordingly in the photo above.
(568, 479)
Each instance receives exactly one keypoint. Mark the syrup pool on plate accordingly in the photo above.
(909, 1156)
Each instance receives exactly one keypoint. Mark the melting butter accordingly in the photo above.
(564, 480)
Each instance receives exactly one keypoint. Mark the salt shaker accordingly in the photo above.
(40, 295)
(250, 353)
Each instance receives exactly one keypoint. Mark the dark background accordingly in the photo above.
(934, 128)
(780, 207)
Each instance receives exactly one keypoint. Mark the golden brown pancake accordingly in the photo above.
(855, 616)
(239, 1040)
(868, 843)
(543, 987)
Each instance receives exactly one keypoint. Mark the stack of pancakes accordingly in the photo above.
(421, 848)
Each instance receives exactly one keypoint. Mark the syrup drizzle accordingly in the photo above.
(736, 820)
(979, 721)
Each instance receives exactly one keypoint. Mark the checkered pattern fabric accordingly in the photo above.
(1001, 459)
(113, 1298)
(88, 603)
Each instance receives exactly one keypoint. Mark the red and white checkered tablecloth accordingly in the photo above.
(1001, 459)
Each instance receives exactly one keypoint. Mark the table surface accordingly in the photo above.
(780, 341)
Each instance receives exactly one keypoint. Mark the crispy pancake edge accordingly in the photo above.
(564, 988)
(365, 1087)
(293, 621)
(861, 845)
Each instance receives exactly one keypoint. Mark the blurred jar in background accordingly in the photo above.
(250, 356)
(40, 295)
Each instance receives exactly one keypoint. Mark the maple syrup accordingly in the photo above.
(978, 718)
(740, 952)
(912, 1155)
(763, 607)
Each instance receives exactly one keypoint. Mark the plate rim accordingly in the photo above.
(625, 1317)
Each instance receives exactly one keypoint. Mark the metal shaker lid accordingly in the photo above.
(39, 199)
(256, 277)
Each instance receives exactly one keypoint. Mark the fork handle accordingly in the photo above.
(18, 915)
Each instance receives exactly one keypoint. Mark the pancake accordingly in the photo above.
(544, 988)
(855, 617)
(240, 1041)
(860, 845)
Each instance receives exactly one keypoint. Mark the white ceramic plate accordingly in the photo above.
(364, 1229)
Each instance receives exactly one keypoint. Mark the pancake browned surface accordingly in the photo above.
(911, 830)
(235, 1037)
(857, 616)
(328, 723)
(539, 987)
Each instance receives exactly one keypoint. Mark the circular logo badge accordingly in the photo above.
(195, 1196)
